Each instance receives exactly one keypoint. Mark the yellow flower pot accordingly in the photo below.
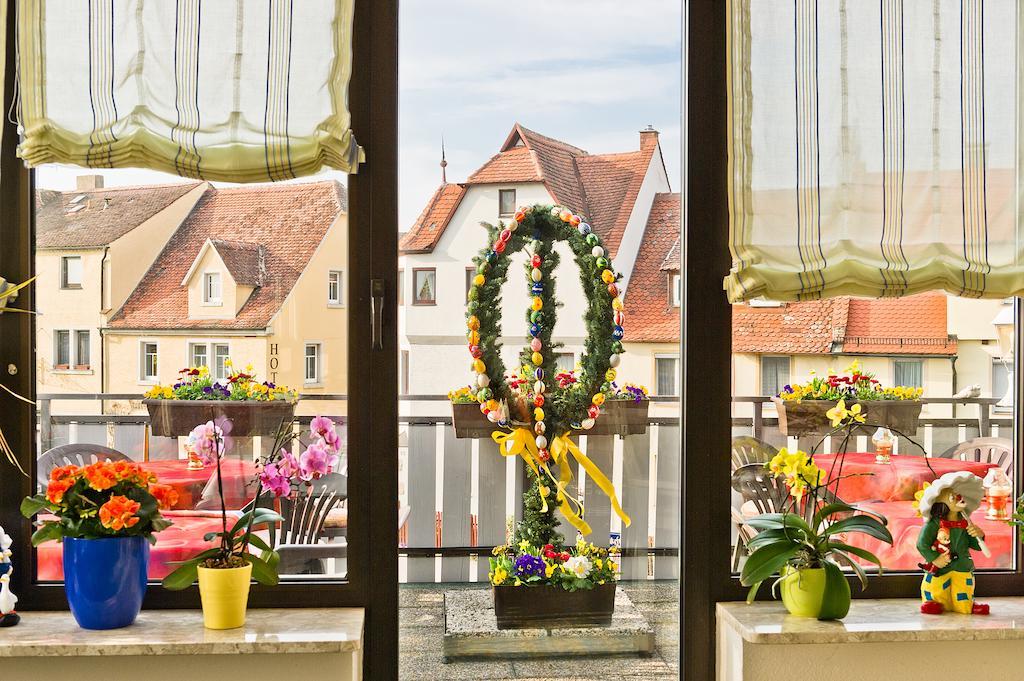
(802, 591)
(225, 596)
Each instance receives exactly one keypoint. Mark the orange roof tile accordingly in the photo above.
(913, 325)
(650, 315)
(287, 221)
(806, 328)
(429, 227)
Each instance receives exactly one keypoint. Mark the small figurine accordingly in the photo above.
(8, 617)
(946, 542)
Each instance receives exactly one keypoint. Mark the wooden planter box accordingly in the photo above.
(177, 418)
(807, 417)
(542, 607)
(618, 417)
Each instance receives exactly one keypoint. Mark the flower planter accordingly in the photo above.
(618, 417)
(808, 417)
(177, 418)
(225, 596)
(803, 592)
(105, 580)
(543, 607)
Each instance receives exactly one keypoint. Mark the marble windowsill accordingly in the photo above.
(181, 632)
(888, 620)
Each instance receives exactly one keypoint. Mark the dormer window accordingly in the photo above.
(211, 288)
(675, 286)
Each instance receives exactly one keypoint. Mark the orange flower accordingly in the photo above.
(100, 475)
(165, 495)
(119, 513)
(63, 472)
(56, 489)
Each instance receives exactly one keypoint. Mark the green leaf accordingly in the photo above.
(860, 523)
(183, 577)
(752, 594)
(857, 569)
(835, 603)
(262, 572)
(32, 505)
(766, 537)
(831, 509)
(775, 521)
(857, 551)
(259, 542)
(767, 561)
(48, 532)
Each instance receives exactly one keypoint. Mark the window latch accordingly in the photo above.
(377, 313)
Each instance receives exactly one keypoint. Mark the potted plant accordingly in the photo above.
(224, 573)
(253, 407)
(105, 514)
(803, 408)
(626, 409)
(806, 542)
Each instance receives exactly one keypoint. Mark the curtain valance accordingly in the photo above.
(875, 148)
(242, 91)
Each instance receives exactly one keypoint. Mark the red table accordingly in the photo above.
(895, 481)
(238, 477)
(180, 541)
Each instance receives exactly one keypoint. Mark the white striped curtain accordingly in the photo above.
(231, 90)
(875, 148)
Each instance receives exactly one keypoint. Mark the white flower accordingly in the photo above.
(579, 566)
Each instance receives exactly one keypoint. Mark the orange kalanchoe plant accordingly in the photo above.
(103, 499)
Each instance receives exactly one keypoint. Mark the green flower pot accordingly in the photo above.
(804, 590)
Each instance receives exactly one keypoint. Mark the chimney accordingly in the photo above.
(84, 183)
(648, 137)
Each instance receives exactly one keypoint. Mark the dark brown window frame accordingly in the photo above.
(373, 566)
(415, 300)
(707, 364)
(507, 214)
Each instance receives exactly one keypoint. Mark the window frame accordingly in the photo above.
(415, 299)
(190, 348)
(65, 282)
(210, 276)
(78, 364)
(318, 358)
(57, 365)
(145, 378)
(760, 371)
(400, 287)
(677, 387)
(907, 360)
(339, 297)
(502, 193)
(675, 288)
(470, 273)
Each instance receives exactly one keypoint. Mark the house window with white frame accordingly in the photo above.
(506, 202)
(198, 355)
(221, 352)
(908, 373)
(62, 349)
(312, 363)
(147, 361)
(211, 288)
(71, 349)
(565, 361)
(83, 343)
(71, 271)
(666, 369)
(335, 288)
(774, 374)
(675, 284)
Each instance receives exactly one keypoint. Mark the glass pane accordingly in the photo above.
(172, 275)
(591, 153)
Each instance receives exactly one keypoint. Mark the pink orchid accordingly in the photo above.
(321, 426)
(331, 440)
(208, 442)
(316, 462)
(274, 481)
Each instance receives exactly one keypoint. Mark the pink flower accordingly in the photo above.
(288, 464)
(321, 426)
(274, 481)
(316, 462)
(208, 442)
(331, 440)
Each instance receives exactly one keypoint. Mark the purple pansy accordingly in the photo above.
(528, 566)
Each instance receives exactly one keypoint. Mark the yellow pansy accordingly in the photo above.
(499, 576)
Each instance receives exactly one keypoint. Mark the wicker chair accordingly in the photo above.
(995, 450)
(73, 454)
(747, 450)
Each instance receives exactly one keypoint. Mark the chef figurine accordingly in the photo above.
(8, 618)
(946, 542)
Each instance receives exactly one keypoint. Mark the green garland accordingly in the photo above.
(537, 229)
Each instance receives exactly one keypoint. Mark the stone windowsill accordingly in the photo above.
(181, 632)
(869, 621)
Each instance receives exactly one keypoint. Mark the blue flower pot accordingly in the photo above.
(105, 580)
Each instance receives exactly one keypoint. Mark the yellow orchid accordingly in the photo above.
(797, 470)
(839, 414)
(916, 503)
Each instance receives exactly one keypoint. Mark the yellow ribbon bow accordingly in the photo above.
(561, 447)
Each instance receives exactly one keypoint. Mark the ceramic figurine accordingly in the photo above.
(946, 542)
(8, 618)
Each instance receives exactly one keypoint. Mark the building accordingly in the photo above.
(615, 191)
(93, 246)
(257, 274)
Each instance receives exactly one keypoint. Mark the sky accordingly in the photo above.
(592, 74)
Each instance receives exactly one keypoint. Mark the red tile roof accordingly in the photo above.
(246, 261)
(650, 315)
(429, 227)
(287, 220)
(98, 217)
(913, 325)
(603, 187)
(805, 328)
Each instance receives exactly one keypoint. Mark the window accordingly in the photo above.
(774, 374)
(666, 368)
(423, 284)
(401, 288)
(1001, 383)
(211, 288)
(403, 373)
(565, 361)
(334, 287)
(221, 352)
(71, 271)
(312, 374)
(62, 350)
(82, 342)
(198, 355)
(470, 273)
(506, 202)
(908, 372)
(675, 283)
(147, 362)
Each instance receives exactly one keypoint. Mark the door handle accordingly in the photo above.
(377, 314)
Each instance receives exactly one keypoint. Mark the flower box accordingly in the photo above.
(249, 418)
(808, 417)
(618, 417)
(542, 607)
